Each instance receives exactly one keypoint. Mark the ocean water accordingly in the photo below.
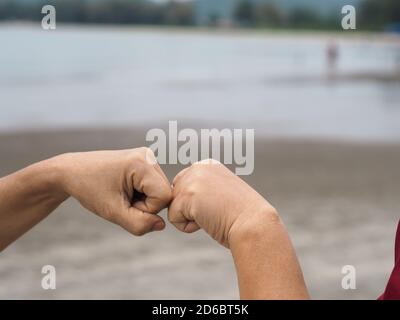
(276, 83)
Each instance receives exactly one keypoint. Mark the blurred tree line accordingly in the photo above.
(371, 15)
(248, 14)
(102, 11)
(379, 14)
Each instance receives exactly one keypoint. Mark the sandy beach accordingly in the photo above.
(339, 202)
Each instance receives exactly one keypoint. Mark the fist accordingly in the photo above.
(209, 196)
(126, 187)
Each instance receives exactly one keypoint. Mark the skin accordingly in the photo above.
(104, 182)
(209, 196)
(206, 195)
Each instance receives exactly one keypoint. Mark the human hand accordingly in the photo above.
(207, 195)
(126, 187)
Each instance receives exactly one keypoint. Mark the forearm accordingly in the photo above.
(27, 197)
(265, 260)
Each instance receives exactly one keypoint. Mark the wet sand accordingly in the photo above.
(340, 202)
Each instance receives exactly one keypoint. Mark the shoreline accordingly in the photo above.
(308, 34)
(113, 130)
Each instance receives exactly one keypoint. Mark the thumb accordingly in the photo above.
(138, 222)
(181, 219)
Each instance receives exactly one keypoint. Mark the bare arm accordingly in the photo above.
(208, 196)
(27, 197)
(266, 263)
(103, 182)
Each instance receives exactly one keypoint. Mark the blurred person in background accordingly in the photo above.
(332, 56)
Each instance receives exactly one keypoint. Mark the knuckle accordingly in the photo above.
(208, 165)
(190, 187)
(166, 194)
(142, 154)
(198, 174)
(149, 157)
(147, 152)
(190, 191)
(200, 168)
(207, 162)
(144, 150)
(177, 181)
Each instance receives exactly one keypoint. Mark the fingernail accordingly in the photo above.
(158, 226)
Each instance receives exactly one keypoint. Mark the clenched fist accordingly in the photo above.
(209, 196)
(126, 187)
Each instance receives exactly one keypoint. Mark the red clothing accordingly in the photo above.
(392, 291)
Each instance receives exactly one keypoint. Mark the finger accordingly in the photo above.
(178, 216)
(138, 222)
(191, 227)
(179, 176)
(157, 190)
(140, 202)
(151, 160)
(161, 172)
(207, 161)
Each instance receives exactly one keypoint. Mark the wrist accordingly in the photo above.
(55, 173)
(254, 226)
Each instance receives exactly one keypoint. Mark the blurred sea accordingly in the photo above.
(276, 83)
